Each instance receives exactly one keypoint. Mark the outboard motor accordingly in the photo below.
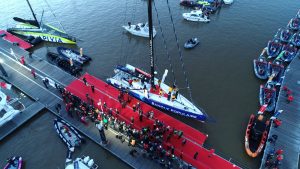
(91, 163)
(86, 159)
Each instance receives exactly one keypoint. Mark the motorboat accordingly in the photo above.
(162, 96)
(140, 29)
(191, 43)
(190, 3)
(296, 39)
(14, 162)
(193, 4)
(64, 63)
(274, 48)
(276, 72)
(267, 96)
(286, 35)
(228, 2)
(84, 162)
(36, 29)
(256, 133)
(288, 53)
(7, 112)
(203, 2)
(294, 24)
(75, 56)
(68, 134)
(196, 16)
(261, 67)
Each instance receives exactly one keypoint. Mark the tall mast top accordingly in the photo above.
(150, 24)
(33, 13)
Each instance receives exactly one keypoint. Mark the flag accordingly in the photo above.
(5, 85)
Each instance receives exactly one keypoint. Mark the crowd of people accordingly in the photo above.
(274, 159)
(153, 141)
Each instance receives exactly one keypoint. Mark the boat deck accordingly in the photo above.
(20, 76)
(289, 132)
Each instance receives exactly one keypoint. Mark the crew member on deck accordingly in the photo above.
(169, 95)
(160, 92)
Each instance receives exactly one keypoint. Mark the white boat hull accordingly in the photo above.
(195, 18)
(228, 2)
(10, 112)
(143, 31)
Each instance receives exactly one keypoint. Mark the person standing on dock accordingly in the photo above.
(93, 88)
(196, 155)
(58, 108)
(141, 115)
(84, 81)
(33, 73)
(46, 81)
(22, 60)
(290, 98)
(134, 108)
(277, 122)
(100, 127)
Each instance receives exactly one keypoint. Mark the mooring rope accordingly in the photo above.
(55, 15)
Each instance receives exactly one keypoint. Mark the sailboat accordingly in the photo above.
(149, 89)
(33, 28)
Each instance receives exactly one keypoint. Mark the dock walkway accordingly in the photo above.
(289, 132)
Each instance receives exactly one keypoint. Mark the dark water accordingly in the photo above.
(219, 70)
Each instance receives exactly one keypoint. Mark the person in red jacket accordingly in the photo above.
(277, 122)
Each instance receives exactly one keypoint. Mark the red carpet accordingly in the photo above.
(11, 38)
(195, 138)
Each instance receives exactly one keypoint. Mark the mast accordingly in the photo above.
(33, 14)
(150, 24)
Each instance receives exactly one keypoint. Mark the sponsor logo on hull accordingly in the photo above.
(170, 109)
(51, 39)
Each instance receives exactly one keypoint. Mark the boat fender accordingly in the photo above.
(91, 163)
(86, 159)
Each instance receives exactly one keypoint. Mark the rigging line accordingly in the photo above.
(165, 44)
(124, 54)
(55, 15)
(180, 53)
